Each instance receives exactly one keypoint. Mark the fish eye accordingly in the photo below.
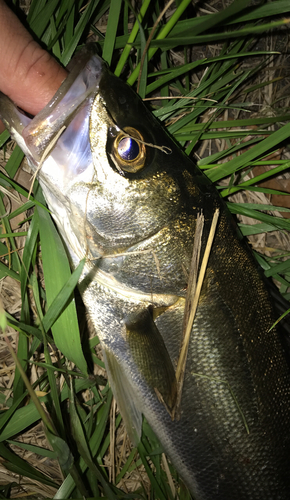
(129, 150)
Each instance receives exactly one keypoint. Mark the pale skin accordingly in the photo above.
(29, 75)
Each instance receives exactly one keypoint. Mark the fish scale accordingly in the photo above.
(133, 216)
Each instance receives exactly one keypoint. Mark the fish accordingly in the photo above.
(126, 198)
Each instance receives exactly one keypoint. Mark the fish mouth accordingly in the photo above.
(57, 140)
(58, 137)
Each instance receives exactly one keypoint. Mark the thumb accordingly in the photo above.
(29, 75)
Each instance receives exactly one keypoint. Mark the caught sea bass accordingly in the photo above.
(126, 198)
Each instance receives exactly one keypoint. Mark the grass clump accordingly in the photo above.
(222, 94)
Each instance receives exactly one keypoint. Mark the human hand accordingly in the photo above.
(28, 74)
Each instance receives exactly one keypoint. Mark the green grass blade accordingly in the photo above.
(114, 14)
(43, 452)
(127, 49)
(71, 46)
(95, 442)
(57, 272)
(60, 301)
(164, 32)
(40, 21)
(257, 151)
(171, 43)
(4, 136)
(19, 466)
(21, 419)
(277, 222)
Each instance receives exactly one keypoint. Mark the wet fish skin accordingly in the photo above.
(137, 230)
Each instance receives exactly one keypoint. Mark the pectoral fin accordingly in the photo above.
(151, 356)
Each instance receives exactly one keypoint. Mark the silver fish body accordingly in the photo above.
(130, 208)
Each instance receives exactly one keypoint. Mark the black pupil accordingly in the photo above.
(128, 149)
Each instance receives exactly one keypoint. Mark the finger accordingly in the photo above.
(29, 75)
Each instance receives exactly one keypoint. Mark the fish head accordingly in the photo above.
(132, 186)
(106, 166)
(114, 180)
